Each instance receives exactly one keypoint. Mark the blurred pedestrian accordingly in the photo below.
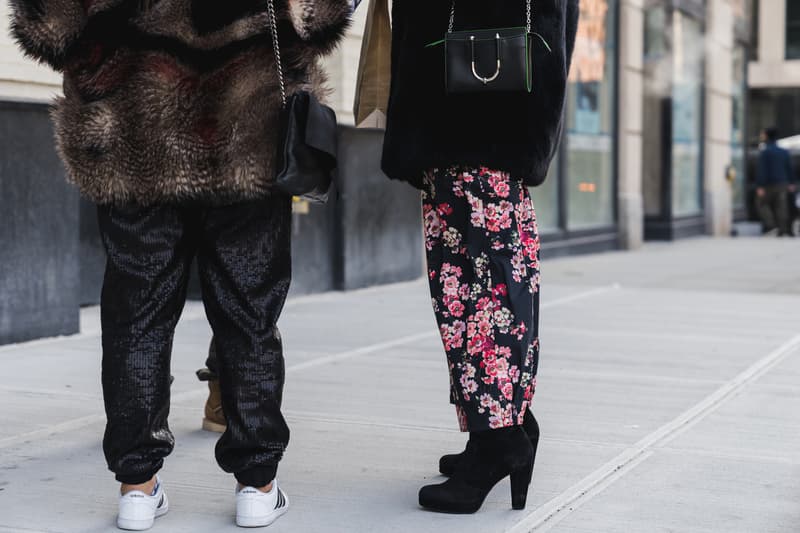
(775, 182)
(473, 139)
(170, 123)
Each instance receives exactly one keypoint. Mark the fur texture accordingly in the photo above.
(514, 132)
(178, 100)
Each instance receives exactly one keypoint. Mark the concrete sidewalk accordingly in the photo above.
(669, 400)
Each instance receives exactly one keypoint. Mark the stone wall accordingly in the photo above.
(39, 258)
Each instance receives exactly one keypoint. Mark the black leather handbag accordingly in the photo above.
(489, 60)
(307, 148)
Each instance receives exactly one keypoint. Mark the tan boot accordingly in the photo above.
(214, 419)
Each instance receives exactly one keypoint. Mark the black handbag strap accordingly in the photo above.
(276, 46)
(450, 28)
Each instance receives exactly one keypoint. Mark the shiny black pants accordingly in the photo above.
(244, 259)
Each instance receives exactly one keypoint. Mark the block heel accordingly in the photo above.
(520, 482)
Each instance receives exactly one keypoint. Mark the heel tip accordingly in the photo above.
(518, 506)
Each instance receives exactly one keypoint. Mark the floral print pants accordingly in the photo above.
(483, 266)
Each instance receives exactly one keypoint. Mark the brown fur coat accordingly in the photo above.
(177, 100)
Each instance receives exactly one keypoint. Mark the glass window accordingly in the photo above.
(737, 131)
(590, 119)
(545, 201)
(687, 125)
(792, 29)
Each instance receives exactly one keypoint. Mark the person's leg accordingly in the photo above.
(764, 206)
(780, 201)
(211, 363)
(485, 297)
(245, 270)
(483, 269)
(213, 414)
(449, 270)
(149, 251)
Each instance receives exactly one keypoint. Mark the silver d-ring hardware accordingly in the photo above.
(474, 67)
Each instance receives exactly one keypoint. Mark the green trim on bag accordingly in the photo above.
(543, 41)
(528, 60)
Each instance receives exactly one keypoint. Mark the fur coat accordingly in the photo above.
(513, 132)
(174, 100)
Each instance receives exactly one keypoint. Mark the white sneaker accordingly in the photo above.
(138, 511)
(259, 509)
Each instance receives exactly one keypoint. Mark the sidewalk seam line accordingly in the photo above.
(558, 508)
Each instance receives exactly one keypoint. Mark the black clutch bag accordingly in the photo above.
(489, 60)
(307, 158)
(307, 148)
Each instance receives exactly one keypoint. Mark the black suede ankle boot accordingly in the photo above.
(448, 463)
(491, 456)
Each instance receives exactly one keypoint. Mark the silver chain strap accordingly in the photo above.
(529, 13)
(273, 23)
(451, 26)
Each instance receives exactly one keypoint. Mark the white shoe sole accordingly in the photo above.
(142, 525)
(261, 521)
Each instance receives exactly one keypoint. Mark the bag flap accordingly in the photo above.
(321, 128)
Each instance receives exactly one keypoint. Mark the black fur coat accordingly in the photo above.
(513, 132)
(170, 100)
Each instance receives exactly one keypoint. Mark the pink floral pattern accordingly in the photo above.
(483, 267)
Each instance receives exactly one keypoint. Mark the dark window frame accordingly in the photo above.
(792, 25)
(740, 211)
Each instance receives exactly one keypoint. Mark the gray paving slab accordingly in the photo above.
(738, 265)
(736, 471)
(676, 493)
(634, 345)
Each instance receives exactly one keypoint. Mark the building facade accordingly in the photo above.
(774, 69)
(51, 257)
(655, 118)
(653, 123)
